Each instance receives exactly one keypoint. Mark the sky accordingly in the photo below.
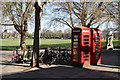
(45, 23)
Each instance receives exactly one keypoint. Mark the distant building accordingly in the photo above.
(16, 35)
(8, 33)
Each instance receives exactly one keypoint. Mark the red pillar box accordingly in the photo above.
(95, 46)
(81, 46)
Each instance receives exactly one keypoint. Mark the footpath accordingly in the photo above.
(108, 69)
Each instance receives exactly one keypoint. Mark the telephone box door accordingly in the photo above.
(75, 46)
(85, 46)
(96, 46)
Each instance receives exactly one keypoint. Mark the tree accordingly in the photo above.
(29, 35)
(43, 33)
(39, 6)
(87, 14)
(19, 13)
(116, 10)
(67, 33)
(59, 34)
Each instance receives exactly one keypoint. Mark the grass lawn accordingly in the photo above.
(44, 43)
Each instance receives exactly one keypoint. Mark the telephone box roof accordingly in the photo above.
(81, 27)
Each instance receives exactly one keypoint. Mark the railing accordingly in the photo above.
(47, 56)
(56, 56)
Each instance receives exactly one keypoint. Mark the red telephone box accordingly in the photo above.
(81, 46)
(95, 46)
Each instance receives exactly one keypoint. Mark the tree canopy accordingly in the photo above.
(18, 13)
(85, 14)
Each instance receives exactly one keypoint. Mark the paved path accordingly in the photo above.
(109, 68)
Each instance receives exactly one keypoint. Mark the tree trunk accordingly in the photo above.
(22, 42)
(35, 55)
(23, 35)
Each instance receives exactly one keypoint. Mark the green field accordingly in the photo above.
(10, 44)
(44, 43)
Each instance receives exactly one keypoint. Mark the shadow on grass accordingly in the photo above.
(65, 45)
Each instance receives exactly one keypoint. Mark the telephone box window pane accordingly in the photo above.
(76, 51)
(76, 46)
(86, 53)
(85, 49)
(97, 45)
(75, 36)
(97, 51)
(86, 56)
(86, 36)
(75, 54)
(75, 39)
(86, 42)
(97, 36)
(97, 48)
(96, 40)
(86, 39)
(85, 59)
(76, 43)
(76, 57)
